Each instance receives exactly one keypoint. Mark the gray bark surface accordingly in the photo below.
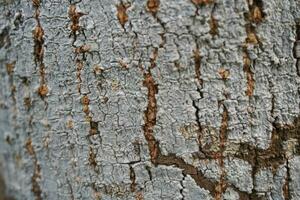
(149, 99)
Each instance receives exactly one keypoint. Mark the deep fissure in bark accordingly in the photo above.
(36, 189)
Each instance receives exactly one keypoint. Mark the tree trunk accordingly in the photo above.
(149, 99)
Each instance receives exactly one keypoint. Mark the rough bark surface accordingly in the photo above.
(150, 99)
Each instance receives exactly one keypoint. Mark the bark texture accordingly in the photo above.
(150, 99)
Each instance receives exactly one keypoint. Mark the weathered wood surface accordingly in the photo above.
(149, 99)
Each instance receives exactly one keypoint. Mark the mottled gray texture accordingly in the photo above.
(115, 162)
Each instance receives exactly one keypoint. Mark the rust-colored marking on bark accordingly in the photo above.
(251, 37)
(121, 13)
(213, 24)
(38, 36)
(10, 68)
(256, 14)
(43, 90)
(82, 49)
(150, 116)
(274, 155)
(249, 74)
(188, 169)
(139, 196)
(221, 186)
(202, 2)
(154, 57)
(224, 73)
(36, 189)
(74, 16)
(197, 61)
(92, 158)
(153, 6)
(156, 157)
(93, 128)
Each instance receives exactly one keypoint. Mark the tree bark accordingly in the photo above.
(150, 99)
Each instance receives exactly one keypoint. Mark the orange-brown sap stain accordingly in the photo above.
(38, 36)
(154, 57)
(43, 90)
(74, 16)
(249, 74)
(139, 196)
(221, 186)
(202, 2)
(224, 73)
(153, 6)
(122, 13)
(85, 102)
(10, 68)
(213, 24)
(150, 116)
(92, 158)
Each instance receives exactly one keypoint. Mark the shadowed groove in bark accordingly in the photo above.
(197, 61)
(3, 195)
(36, 189)
(150, 116)
(220, 187)
(132, 178)
(286, 187)
(187, 169)
(38, 36)
(249, 73)
(10, 71)
(213, 23)
(74, 16)
(296, 50)
(254, 16)
(272, 157)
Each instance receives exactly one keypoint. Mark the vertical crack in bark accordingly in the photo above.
(121, 13)
(92, 158)
(38, 36)
(71, 189)
(213, 23)
(296, 52)
(182, 186)
(132, 178)
(221, 186)
(10, 71)
(197, 61)
(36, 189)
(155, 154)
(80, 58)
(150, 116)
(153, 58)
(286, 188)
(249, 73)
(74, 16)
(254, 16)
